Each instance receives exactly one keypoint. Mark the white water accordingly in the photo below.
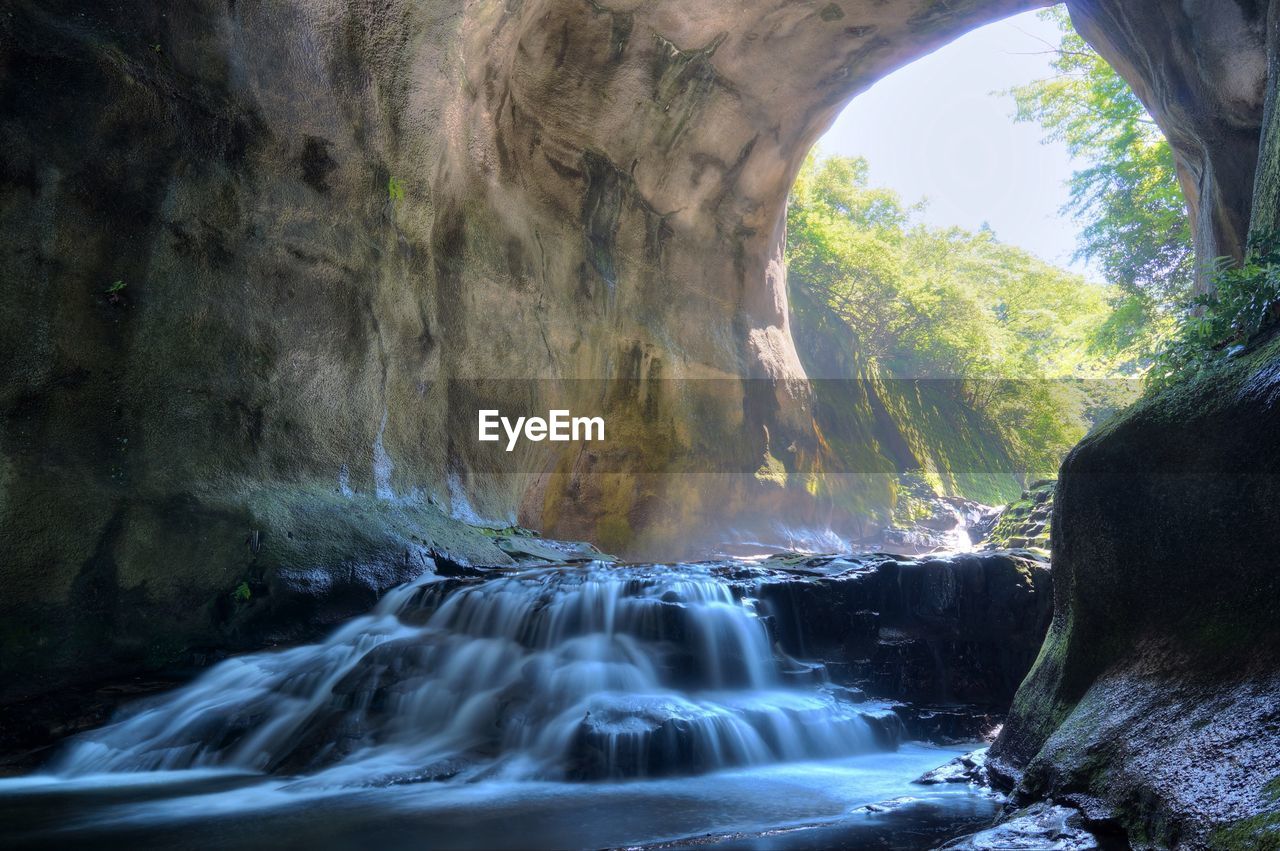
(471, 714)
(564, 673)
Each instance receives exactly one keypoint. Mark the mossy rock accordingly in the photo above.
(1164, 646)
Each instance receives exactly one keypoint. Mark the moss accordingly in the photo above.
(614, 533)
(306, 527)
(1027, 522)
(1259, 833)
(1212, 392)
(772, 472)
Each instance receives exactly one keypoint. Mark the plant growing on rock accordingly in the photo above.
(1242, 304)
(115, 292)
(395, 190)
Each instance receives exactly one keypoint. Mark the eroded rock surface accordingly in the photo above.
(264, 259)
(934, 630)
(1157, 696)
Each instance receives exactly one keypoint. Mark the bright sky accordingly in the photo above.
(941, 129)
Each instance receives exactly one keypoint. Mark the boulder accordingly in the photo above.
(1041, 827)
(1157, 693)
(938, 630)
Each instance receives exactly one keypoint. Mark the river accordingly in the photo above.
(574, 706)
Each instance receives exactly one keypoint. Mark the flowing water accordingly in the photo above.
(570, 706)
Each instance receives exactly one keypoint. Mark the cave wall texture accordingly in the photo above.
(340, 226)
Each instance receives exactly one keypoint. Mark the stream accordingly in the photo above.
(587, 706)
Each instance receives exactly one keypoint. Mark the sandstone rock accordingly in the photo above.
(328, 218)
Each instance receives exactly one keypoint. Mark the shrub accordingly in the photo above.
(1243, 302)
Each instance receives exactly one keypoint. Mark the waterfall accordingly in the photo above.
(583, 672)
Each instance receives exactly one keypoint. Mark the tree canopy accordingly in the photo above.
(919, 302)
(1125, 193)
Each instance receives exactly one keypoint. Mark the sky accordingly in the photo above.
(941, 129)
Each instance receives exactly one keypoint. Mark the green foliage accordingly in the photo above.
(116, 287)
(1243, 301)
(395, 190)
(1126, 193)
(242, 594)
(1001, 326)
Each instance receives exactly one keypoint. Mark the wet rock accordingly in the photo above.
(31, 727)
(888, 806)
(1027, 522)
(1158, 688)
(952, 724)
(1043, 827)
(529, 547)
(939, 630)
(969, 768)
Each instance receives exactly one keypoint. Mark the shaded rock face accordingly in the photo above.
(256, 253)
(1157, 694)
(937, 630)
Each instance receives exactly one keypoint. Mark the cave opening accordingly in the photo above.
(984, 277)
(263, 589)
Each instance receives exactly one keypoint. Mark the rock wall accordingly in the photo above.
(936, 630)
(1153, 702)
(1201, 69)
(264, 260)
(1156, 698)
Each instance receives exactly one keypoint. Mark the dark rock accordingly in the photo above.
(951, 724)
(954, 629)
(1158, 689)
(30, 728)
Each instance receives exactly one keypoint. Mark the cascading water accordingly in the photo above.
(567, 706)
(563, 673)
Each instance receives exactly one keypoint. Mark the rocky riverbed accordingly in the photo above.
(504, 678)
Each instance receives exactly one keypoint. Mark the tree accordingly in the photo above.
(915, 302)
(1126, 192)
